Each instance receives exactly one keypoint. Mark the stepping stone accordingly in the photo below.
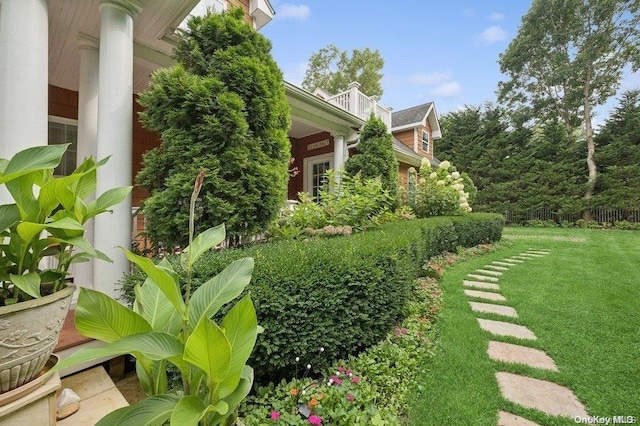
(483, 278)
(507, 352)
(548, 397)
(490, 273)
(508, 419)
(497, 268)
(496, 297)
(526, 254)
(515, 259)
(520, 258)
(490, 308)
(500, 328)
(541, 251)
(502, 264)
(480, 284)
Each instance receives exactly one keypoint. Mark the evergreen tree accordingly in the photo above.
(223, 108)
(374, 157)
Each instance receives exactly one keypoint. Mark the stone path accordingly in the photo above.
(542, 395)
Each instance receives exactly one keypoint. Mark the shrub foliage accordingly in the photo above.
(341, 294)
(223, 108)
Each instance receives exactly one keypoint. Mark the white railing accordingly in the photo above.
(360, 105)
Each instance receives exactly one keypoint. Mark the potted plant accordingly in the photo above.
(41, 236)
(168, 326)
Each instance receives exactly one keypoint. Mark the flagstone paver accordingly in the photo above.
(505, 264)
(513, 262)
(496, 297)
(483, 278)
(480, 284)
(518, 257)
(501, 328)
(497, 268)
(548, 397)
(508, 419)
(530, 256)
(487, 272)
(518, 354)
(541, 253)
(490, 308)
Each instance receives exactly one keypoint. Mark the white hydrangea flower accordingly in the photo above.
(464, 205)
(458, 187)
(433, 175)
(440, 182)
(455, 175)
(425, 163)
(448, 177)
(444, 165)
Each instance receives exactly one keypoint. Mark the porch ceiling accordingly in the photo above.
(69, 18)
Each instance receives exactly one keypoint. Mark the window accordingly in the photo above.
(314, 173)
(62, 131)
(425, 141)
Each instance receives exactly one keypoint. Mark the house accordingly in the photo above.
(414, 130)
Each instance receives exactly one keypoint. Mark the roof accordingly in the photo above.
(400, 147)
(410, 115)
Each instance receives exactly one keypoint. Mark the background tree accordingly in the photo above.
(619, 156)
(567, 58)
(332, 69)
(374, 157)
(223, 108)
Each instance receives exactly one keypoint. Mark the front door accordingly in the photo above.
(314, 170)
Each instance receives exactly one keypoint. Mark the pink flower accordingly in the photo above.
(341, 369)
(315, 420)
(336, 380)
(350, 397)
(349, 373)
(355, 379)
(275, 415)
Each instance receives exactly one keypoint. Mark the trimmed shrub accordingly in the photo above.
(341, 294)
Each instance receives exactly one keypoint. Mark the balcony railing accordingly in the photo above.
(361, 105)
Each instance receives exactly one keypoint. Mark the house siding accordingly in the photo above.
(244, 4)
(406, 137)
(299, 152)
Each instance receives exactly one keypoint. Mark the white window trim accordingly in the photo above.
(307, 169)
(63, 120)
(422, 141)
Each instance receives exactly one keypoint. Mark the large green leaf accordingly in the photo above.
(153, 305)
(208, 348)
(28, 230)
(82, 244)
(151, 411)
(153, 345)
(29, 283)
(203, 242)
(104, 201)
(21, 189)
(49, 195)
(240, 327)
(221, 289)
(160, 277)
(100, 317)
(32, 159)
(9, 215)
(235, 398)
(190, 410)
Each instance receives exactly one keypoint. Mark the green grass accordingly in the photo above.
(583, 303)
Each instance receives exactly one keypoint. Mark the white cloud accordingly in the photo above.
(430, 79)
(491, 35)
(294, 72)
(447, 90)
(496, 16)
(299, 12)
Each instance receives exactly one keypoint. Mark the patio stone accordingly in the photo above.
(541, 251)
(480, 284)
(490, 308)
(508, 419)
(515, 259)
(505, 264)
(496, 297)
(517, 354)
(548, 397)
(497, 268)
(532, 255)
(500, 328)
(483, 278)
(518, 257)
(487, 272)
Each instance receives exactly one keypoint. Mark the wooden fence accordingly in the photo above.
(598, 215)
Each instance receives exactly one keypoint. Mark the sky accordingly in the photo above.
(441, 51)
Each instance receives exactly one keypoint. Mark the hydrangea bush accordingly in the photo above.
(442, 192)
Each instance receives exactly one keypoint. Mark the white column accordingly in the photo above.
(353, 97)
(338, 155)
(115, 121)
(87, 134)
(24, 76)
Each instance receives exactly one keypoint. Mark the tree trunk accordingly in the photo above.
(591, 148)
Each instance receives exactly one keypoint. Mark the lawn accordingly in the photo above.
(583, 303)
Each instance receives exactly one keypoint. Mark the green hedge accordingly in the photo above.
(340, 294)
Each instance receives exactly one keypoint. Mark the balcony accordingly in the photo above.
(361, 105)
